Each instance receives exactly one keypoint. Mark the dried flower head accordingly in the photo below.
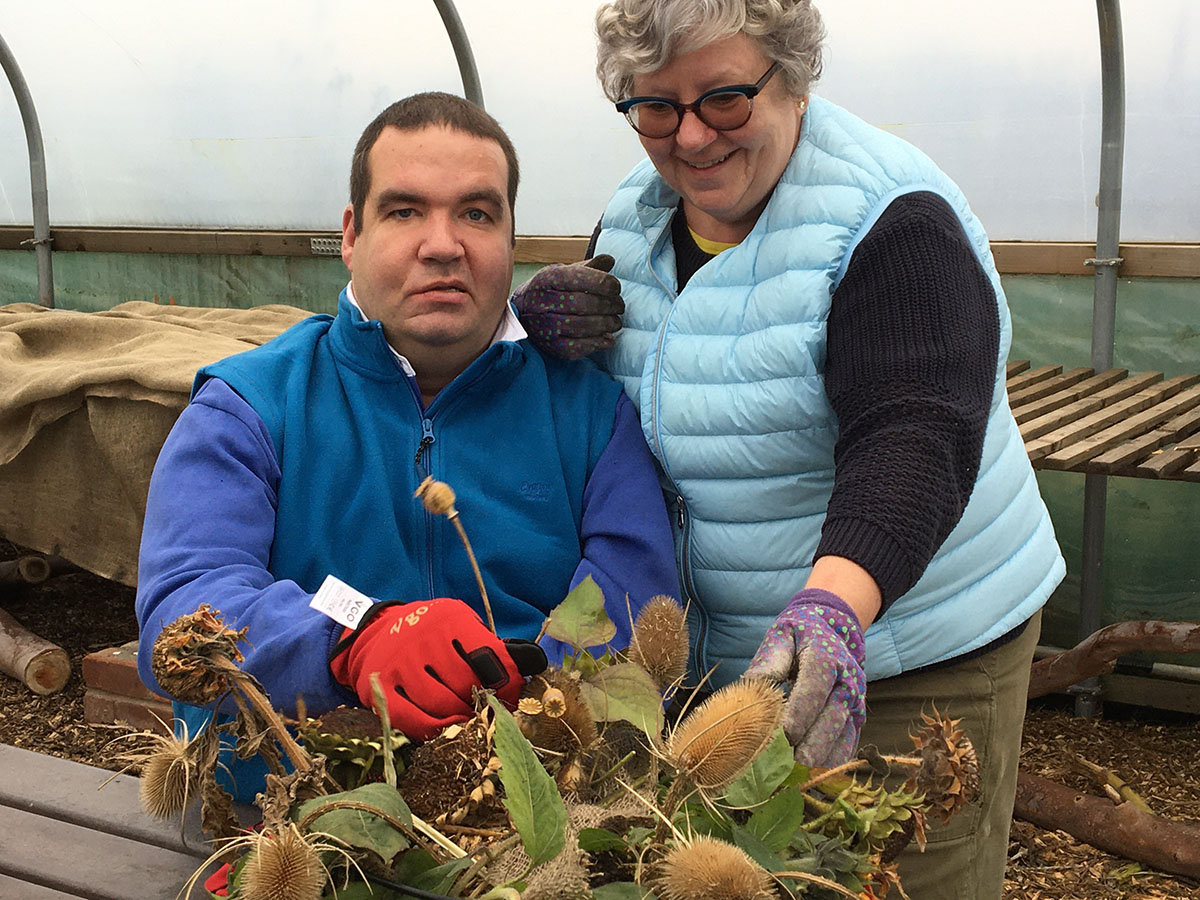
(437, 496)
(949, 772)
(709, 869)
(282, 866)
(190, 655)
(660, 640)
(168, 777)
(717, 740)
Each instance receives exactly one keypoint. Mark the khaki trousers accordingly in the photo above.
(964, 859)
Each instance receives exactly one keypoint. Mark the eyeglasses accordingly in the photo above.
(723, 108)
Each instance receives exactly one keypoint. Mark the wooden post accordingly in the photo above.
(43, 667)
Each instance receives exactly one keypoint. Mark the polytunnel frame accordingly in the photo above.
(1106, 262)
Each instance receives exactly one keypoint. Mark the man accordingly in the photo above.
(299, 459)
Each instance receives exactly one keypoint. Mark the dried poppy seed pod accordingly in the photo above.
(717, 740)
(709, 869)
(437, 496)
(659, 643)
(554, 704)
(573, 728)
(282, 866)
(167, 776)
(529, 706)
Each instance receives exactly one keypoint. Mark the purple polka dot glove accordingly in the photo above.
(816, 643)
(571, 311)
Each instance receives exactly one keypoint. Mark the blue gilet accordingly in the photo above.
(728, 380)
(353, 444)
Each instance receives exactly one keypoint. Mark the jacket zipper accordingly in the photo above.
(684, 557)
(422, 463)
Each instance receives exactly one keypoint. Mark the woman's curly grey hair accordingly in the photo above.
(639, 36)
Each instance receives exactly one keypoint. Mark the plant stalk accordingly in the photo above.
(487, 606)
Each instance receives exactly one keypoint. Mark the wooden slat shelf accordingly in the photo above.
(61, 837)
(1110, 423)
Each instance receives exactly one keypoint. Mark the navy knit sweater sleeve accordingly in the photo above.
(913, 337)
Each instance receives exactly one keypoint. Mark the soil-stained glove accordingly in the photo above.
(816, 643)
(571, 311)
(429, 656)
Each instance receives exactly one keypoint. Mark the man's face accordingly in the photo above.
(434, 258)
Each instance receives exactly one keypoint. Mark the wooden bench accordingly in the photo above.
(1108, 423)
(61, 837)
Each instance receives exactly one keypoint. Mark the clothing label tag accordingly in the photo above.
(340, 602)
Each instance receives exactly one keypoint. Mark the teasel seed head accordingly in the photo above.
(186, 656)
(717, 740)
(709, 869)
(660, 640)
(167, 777)
(282, 866)
(437, 496)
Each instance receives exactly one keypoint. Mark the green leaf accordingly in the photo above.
(594, 840)
(358, 890)
(621, 890)
(778, 820)
(412, 865)
(799, 775)
(531, 796)
(439, 879)
(580, 620)
(766, 773)
(625, 691)
(360, 828)
(757, 850)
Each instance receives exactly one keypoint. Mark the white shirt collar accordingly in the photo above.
(509, 329)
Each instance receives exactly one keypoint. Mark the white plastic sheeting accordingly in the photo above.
(244, 115)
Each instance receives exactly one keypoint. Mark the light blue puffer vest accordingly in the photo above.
(728, 378)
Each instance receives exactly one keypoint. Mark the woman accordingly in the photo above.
(815, 335)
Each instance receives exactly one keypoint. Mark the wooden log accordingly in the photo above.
(24, 570)
(1121, 830)
(43, 667)
(1098, 653)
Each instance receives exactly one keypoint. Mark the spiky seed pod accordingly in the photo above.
(717, 740)
(660, 640)
(949, 772)
(186, 654)
(168, 778)
(437, 496)
(282, 866)
(710, 869)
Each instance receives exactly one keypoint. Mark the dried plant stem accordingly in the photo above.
(488, 853)
(681, 788)
(438, 838)
(817, 879)
(297, 754)
(910, 762)
(487, 606)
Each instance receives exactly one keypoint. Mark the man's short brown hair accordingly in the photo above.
(421, 111)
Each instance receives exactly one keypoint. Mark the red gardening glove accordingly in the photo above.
(429, 656)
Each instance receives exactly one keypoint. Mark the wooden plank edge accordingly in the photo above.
(1141, 259)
